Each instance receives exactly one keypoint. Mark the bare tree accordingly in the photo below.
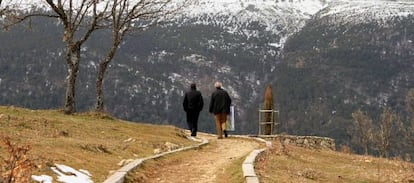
(72, 19)
(127, 16)
(409, 131)
(387, 121)
(80, 18)
(364, 129)
(409, 100)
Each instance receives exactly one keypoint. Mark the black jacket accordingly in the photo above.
(193, 101)
(220, 102)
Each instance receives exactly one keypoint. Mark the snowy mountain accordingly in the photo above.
(324, 59)
(276, 17)
(361, 11)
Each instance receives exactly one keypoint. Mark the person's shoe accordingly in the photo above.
(225, 133)
(197, 139)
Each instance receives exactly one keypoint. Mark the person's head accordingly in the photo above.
(217, 84)
(193, 86)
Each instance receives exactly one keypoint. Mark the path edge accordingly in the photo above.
(119, 175)
(248, 163)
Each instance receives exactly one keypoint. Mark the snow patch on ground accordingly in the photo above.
(65, 174)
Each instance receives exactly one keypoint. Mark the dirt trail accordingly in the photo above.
(202, 165)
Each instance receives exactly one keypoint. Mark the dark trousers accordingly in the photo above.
(192, 121)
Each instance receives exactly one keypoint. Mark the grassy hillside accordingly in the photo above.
(90, 141)
(97, 143)
(295, 164)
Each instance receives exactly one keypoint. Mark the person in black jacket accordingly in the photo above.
(220, 106)
(193, 104)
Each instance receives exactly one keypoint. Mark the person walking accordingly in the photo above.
(220, 106)
(193, 104)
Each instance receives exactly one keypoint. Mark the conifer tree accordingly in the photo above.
(268, 105)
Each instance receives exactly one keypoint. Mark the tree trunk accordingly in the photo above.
(101, 74)
(99, 87)
(72, 60)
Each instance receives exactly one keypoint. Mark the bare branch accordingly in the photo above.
(1, 9)
(57, 8)
(388, 120)
(93, 25)
(12, 19)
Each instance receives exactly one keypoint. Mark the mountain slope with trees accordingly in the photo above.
(343, 68)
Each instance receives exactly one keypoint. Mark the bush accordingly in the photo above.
(17, 167)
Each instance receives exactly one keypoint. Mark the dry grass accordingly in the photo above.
(91, 141)
(233, 173)
(151, 168)
(303, 165)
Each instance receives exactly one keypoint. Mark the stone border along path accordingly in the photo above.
(247, 166)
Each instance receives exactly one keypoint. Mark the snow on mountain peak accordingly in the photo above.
(360, 11)
(308, 7)
(278, 17)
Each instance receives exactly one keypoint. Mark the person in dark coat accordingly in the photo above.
(193, 104)
(220, 106)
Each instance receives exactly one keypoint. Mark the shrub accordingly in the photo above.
(17, 167)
